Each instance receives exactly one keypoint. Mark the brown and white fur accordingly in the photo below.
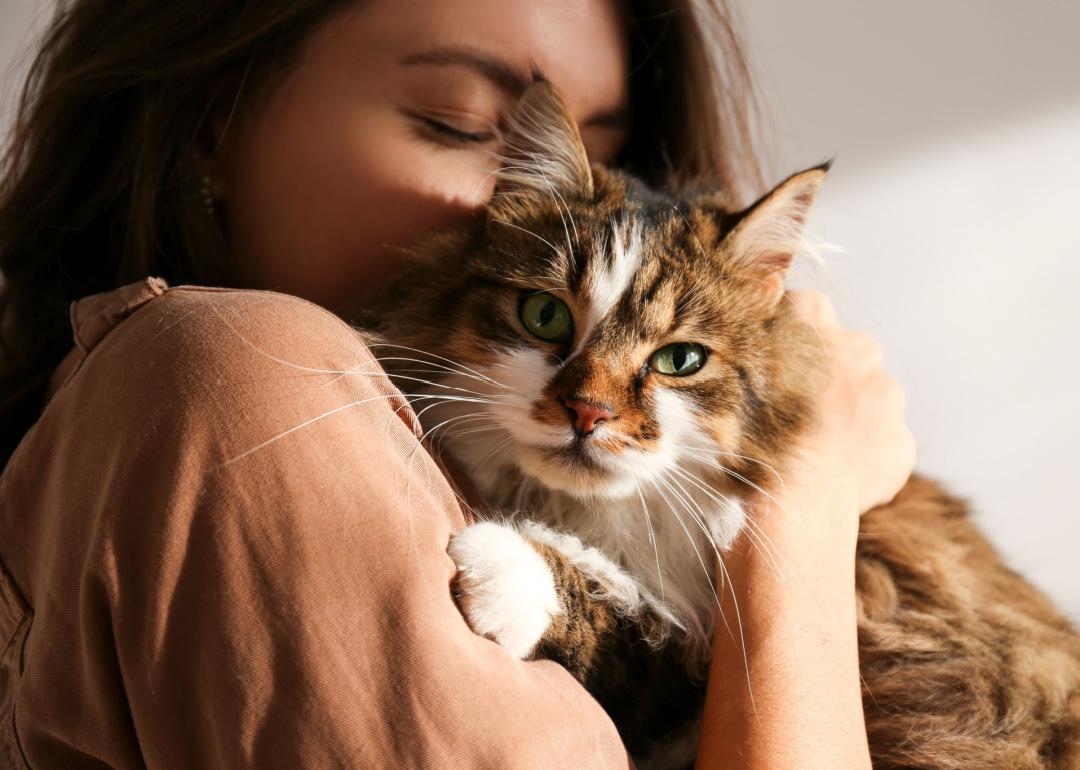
(620, 485)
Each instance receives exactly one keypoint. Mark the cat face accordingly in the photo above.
(594, 335)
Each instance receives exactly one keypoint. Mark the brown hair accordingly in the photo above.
(97, 187)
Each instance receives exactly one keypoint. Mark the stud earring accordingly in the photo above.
(206, 194)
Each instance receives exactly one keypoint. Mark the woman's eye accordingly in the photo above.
(546, 316)
(678, 359)
(467, 137)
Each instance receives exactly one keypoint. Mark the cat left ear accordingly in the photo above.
(543, 148)
(763, 245)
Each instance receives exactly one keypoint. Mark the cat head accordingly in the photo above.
(594, 335)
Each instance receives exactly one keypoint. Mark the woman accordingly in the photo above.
(220, 547)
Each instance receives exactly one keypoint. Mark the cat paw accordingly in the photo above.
(503, 586)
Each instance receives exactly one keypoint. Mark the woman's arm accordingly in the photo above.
(235, 550)
(784, 690)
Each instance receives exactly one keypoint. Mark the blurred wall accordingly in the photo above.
(19, 19)
(955, 125)
(956, 129)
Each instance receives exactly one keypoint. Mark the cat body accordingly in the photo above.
(618, 373)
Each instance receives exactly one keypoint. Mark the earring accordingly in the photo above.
(206, 194)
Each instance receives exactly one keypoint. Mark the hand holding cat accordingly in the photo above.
(862, 440)
(794, 596)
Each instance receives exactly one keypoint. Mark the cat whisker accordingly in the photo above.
(455, 434)
(449, 435)
(736, 475)
(458, 418)
(430, 434)
(570, 216)
(759, 536)
(276, 359)
(412, 398)
(560, 203)
(726, 581)
(380, 375)
(529, 232)
(461, 366)
(306, 423)
(691, 506)
(494, 450)
(652, 539)
(441, 402)
(705, 452)
(693, 234)
(708, 576)
(760, 539)
(444, 386)
(442, 367)
(482, 429)
(505, 397)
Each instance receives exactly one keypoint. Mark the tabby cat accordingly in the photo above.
(615, 368)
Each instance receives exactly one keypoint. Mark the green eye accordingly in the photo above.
(547, 317)
(678, 359)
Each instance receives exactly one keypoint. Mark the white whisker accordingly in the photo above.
(731, 588)
(443, 367)
(736, 475)
(768, 549)
(530, 232)
(695, 451)
(652, 539)
(441, 358)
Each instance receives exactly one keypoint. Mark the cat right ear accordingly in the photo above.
(763, 245)
(542, 149)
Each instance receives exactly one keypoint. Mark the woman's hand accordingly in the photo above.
(862, 440)
(784, 687)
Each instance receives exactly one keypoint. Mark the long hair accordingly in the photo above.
(96, 184)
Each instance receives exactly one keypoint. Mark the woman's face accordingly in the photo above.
(384, 130)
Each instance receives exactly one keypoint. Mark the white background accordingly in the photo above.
(955, 195)
(955, 125)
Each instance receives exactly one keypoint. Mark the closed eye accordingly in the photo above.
(466, 137)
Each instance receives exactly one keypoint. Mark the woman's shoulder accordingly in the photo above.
(211, 322)
(152, 329)
(230, 365)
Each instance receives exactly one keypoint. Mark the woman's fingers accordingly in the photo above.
(814, 307)
(863, 425)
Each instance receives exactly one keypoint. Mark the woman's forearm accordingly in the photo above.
(784, 692)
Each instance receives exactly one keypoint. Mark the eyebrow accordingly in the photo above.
(504, 75)
(497, 70)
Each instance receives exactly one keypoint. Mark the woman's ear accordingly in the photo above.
(762, 245)
(542, 149)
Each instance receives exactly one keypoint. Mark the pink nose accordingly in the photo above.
(586, 415)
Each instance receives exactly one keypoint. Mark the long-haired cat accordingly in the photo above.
(615, 369)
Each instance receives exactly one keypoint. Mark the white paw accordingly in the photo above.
(506, 591)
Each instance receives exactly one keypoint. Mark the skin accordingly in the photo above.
(325, 178)
(803, 707)
(341, 166)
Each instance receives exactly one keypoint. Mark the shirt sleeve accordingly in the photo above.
(273, 559)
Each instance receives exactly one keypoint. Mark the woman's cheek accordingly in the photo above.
(326, 205)
(398, 188)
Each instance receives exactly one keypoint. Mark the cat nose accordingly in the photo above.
(586, 415)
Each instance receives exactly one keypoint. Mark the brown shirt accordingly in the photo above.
(223, 546)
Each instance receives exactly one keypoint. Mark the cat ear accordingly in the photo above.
(542, 148)
(763, 245)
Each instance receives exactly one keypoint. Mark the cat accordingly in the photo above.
(615, 368)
